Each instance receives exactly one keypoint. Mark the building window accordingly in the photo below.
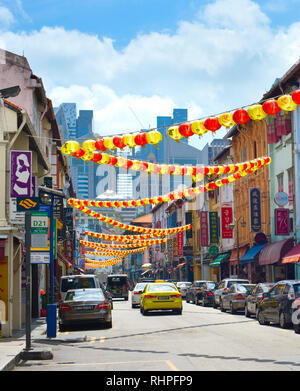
(290, 186)
(280, 182)
(255, 150)
(243, 154)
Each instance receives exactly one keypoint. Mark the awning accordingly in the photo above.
(233, 257)
(273, 252)
(251, 253)
(65, 261)
(180, 265)
(293, 255)
(219, 258)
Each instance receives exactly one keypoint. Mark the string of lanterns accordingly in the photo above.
(106, 252)
(242, 170)
(137, 244)
(213, 123)
(135, 241)
(110, 262)
(118, 238)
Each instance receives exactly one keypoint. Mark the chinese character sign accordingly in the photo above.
(226, 219)
(20, 174)
(282, 221)
(213, 227)
(204, 228)
(255, 210)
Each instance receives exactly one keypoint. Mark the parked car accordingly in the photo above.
(193, 289)
(136, 294)
(161, 296)
(183, 286)
(82, 306)
(234, 298)
(277, 304)
(118, 285)
(296, 315)
(223, 286)
(205, 296)
(77, 282)
(255, 297)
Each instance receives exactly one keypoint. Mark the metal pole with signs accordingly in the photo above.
(28, 279)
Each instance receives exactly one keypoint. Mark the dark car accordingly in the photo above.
(277, 304)
(193, 290)
(223, 286)
(255, 297)
(234, 298)
(83, 306)
(205, 296)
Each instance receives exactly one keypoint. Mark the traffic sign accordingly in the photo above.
(25, 204)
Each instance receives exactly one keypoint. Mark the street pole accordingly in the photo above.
(238, 246)
(51, 253)
(28, 279)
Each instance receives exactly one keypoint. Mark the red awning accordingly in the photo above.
(65, 261)
(233, 257)
(273, 252)
(293, 255)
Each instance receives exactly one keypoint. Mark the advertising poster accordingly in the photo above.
(20, 174)
(226, 219)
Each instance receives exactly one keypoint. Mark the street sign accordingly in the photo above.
(42, 257)
(27, 204)
(39, 228)
(213, 250)
(281, 198)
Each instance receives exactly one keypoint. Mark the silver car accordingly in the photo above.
(235, 297)
(223, 286)
(82, 306)
(136, 294)
(183, 286)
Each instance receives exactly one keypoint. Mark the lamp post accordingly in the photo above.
(231, 226)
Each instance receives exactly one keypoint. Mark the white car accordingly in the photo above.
(182, 287)
(136, 294)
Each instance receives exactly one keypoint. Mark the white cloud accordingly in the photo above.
(227, 57)
(6, 18)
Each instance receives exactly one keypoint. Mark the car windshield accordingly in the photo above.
(183, 284)
(162, 288)
(230, 283)
(77, 283)
(210, 285)
(85, 296)
(140, 287)
(297, 290)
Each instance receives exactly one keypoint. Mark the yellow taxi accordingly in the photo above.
(161, 296)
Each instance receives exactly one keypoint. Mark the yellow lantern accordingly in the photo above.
(105, 158)
(226, 120)
(231, 178)
(174, 133)
(108, 143)
(87, 156)
(135, 165)
(128, 140)
(154, 137)
(218, 183)
(150, 167)
(198, 127)
(89, 145)
(177, 170)
(71, 147)
(256, 112)
(121, 162)
(165, 198)
(189, 171)
(286, 103)
(164, 169)
(63, 150)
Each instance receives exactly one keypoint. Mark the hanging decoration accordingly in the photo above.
(186, 129)
(119, 238)
(139, 243)
(240, 169)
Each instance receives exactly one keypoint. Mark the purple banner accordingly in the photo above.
(20, 174)
(282, 221)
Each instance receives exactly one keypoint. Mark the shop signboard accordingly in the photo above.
(204, 229)
(213, 228)
(226, 219)
(282, 221)
(255, 209)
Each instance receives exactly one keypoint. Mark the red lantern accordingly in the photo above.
(271, 107)
(296, 96)
(156, 168)
(112, 161)
(171, 169)
(225, 181)
(241, 116)
(79, 153)
(99, 144)
(144, 166)
(140, 139)
(118, 142)
(128, 164)
(97, 157)
(212, 124)
(212, 185)
(185, 129)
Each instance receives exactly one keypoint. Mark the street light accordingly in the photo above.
(231, 226)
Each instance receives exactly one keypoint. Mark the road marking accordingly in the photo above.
(92, 339)
(102, 339)
(171, 365)
(105, 363)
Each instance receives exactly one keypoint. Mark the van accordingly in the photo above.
(79, 281)
(118, 286)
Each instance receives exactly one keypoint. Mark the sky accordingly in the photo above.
(131, 61)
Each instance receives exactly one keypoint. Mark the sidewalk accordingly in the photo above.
(10, 348)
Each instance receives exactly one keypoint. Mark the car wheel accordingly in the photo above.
(62, 327)
(297, 328)
(222, 307)
(261, 319)
(187, 299)
(232, 310)
(247, 313)
(145, 312)
(108, 325)
(196, 300)
(178, 311)
(203, 302)
(141, 310)
(282, 321)
(215, 305)
(133, 305)
(126, 298)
